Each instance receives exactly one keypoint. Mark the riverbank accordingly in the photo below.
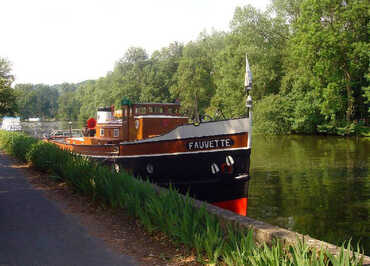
(213, 240)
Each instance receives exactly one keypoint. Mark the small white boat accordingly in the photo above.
(11, 123)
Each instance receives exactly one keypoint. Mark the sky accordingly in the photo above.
(56, 41)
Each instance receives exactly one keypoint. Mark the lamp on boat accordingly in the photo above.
(249, 102)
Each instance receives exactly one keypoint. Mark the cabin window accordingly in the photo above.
(140, 110)
(169, 110)
(158, 109)
(102, 132)
(115, 132)
(151, 109)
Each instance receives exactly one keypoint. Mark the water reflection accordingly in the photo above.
(313, 185)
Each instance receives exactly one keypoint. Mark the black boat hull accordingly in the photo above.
(193, 174)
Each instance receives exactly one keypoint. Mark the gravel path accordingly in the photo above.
(34, 231)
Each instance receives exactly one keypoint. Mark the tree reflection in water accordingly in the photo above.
(314, 185)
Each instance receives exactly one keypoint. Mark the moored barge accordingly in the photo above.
(209, 160)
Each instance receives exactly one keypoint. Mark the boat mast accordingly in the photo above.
(248, 102)
(248, 87)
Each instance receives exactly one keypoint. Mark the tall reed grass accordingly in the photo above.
(166, 211)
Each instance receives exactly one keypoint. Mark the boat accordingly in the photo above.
(209, 160)
(11, 123)
(34, 119)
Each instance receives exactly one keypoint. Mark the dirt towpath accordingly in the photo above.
(34, 231)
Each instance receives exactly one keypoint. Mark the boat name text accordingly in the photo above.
(209, 144)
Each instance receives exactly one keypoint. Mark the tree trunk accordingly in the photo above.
(350, 99)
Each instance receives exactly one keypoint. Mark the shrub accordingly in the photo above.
(271, 116)
(16, 144)
(47, 157)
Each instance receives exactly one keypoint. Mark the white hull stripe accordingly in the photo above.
(158, 116)
(164, 154)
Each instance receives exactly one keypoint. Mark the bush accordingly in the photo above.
(16, 144)
(272, 116)
(47, 157)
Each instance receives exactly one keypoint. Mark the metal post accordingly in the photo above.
(70, 128)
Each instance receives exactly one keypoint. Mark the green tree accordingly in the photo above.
(367, 92)
(329, 54)
(7, 97)
(128, 75)
(26, 100)
(263, 37)
(68, 106)
(36, 100)
(159, 74)
(288, 9)
(194, 85)
(87, 96)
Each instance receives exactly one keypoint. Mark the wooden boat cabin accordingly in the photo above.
(131, 122)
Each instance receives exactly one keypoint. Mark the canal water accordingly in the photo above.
(314, 185)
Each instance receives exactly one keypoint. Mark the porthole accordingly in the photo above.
(150, 168)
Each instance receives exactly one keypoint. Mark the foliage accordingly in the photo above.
(46, 156)
(36, 100)
(7, 98)
(194, 84)
(16, 144)
(328, 57)
(367, 92)
(271, 115)
(160, 74)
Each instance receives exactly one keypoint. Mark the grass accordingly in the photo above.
(166, 211)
